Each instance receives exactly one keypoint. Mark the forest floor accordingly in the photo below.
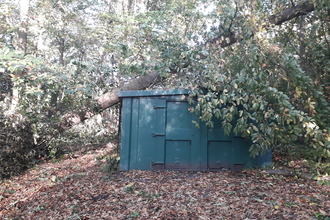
(78, 187)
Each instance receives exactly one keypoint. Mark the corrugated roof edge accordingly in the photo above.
(146, 93)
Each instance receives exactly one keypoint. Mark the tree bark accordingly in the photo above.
(111, 98)
(61, 49)
(22, 44)
(22, 30)
(302, 8)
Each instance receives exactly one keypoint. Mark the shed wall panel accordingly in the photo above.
(158, 133)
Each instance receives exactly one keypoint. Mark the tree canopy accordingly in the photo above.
(260, 66)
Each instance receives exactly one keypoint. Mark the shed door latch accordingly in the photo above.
(159, 106)
(157, 134)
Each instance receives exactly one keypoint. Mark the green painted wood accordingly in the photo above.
(216, 133)
(178, 124)
(181, 130)
(204, 144)
(158, 133)
(125, 139)
(145, 129)
(178, 154)
(151, 93)
(220, 155)
(134, 126)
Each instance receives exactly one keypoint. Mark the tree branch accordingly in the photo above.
(302, 8)
(302, 175)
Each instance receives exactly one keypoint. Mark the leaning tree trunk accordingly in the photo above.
(111, 98)
(105, 101)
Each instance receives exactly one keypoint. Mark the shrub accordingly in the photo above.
(17, 148)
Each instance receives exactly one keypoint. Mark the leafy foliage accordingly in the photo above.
(267, 82)
(17, 148)
(264, 89)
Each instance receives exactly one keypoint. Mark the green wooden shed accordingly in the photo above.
(157, 133)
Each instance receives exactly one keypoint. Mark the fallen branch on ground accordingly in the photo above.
(298, 174)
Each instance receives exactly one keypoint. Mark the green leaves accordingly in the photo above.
(257, 104)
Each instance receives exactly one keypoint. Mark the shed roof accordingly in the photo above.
(147, 93)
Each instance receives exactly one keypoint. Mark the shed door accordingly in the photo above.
(181, 144)
(224, 152)
(219, 155)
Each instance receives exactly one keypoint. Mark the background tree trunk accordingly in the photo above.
(23, 29)
(22, 44)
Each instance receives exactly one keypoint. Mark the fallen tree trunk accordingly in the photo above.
(111, 98)
(104, 101)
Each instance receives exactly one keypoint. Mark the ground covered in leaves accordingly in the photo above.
(77, 187)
